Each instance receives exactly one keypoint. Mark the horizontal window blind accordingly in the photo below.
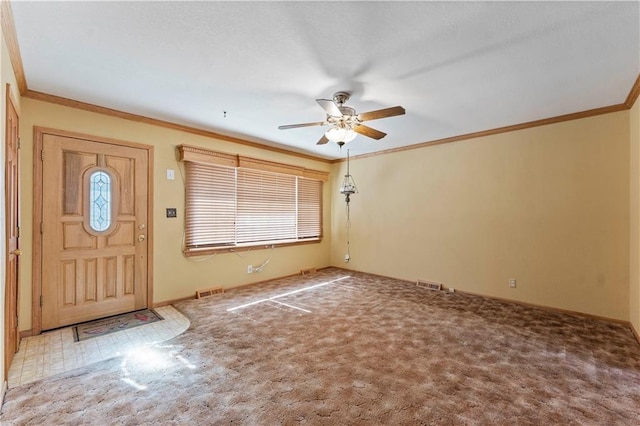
(210, 213)
(266, 206)
(229, 206)
(309, 208)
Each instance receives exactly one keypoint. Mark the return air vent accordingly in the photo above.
(430, 285)
(308, 271)
(209, 292)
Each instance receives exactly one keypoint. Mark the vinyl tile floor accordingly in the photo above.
(55, 352)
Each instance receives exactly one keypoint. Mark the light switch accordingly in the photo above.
(171, 174)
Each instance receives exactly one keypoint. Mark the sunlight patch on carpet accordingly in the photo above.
(149, 359)
(291, 306)
(289, 293)
(133, 383)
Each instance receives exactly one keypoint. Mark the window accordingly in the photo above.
(309, 208)
(234, 201)
(266, 206)
(99, 201)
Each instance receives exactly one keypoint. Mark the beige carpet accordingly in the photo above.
(354, 350)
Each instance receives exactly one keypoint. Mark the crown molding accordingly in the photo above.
(187, 129)
(10, 37)
(45, 97)
(633, 94)
(505, 129)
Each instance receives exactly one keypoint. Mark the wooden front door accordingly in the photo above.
(94, 229)
(12, 200)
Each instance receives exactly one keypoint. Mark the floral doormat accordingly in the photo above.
(115, 323)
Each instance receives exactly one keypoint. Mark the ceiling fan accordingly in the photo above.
(345, 123)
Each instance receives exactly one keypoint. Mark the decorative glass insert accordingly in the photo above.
(99, 201)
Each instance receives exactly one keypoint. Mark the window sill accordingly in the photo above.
(191, 252)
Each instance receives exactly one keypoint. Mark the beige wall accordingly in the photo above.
(634, 246)
(174, 275)
(6, 76)
(548, 206)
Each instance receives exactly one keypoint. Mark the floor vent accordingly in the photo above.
(308, 271)
(209, 292)
(430, 285)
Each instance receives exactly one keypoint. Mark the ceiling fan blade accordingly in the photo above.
(322, 140)
(381, 113)
(369, 132)
(293, 126)
(330, 107)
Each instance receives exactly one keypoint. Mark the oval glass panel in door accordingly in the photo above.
(100, 204)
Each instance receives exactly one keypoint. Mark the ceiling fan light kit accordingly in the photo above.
(340, 134)
(345, 123)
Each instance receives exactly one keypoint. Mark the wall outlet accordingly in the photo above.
(347, 258)
(172, 212)
(250, 269)
(512, 282)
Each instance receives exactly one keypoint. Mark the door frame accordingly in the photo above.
(38, 141)
(11, 309)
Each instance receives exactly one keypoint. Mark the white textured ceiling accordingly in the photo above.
(456, 67)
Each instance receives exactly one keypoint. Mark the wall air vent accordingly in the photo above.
(209, 292)
(430, 285)
(308, 271)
